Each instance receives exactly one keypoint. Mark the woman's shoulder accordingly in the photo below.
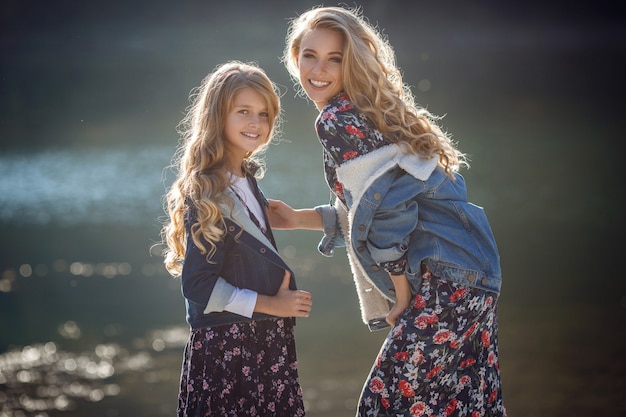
(341, 103)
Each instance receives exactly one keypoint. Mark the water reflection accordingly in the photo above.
(72, 186)
(39, 379)
(109, 270)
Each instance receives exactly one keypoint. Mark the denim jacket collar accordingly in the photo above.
(238, 214)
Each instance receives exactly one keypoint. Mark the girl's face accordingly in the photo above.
(319, 64)
(247, 126)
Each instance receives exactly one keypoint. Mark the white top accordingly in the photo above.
(242, 188)
(243, 300)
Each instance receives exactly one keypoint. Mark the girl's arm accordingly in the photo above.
(284, 217)
(286, 302)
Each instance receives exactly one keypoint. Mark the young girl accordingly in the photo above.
(423, 258)
(241, 297)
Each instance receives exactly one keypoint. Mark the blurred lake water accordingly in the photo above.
(91, 324)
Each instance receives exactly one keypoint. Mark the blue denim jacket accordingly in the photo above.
(400, 203)
(244, 258)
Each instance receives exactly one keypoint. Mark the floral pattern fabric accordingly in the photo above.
(241, 369)
(344, 134)
(440, 359)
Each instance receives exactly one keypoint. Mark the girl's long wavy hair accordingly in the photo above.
(374, 83)
(200, 160)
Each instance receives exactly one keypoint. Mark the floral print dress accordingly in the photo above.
(241, 369)
(441, 357)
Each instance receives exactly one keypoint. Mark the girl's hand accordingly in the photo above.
(286, 302)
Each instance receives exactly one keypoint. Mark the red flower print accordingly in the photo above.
(376, 385)
(385, 402)
(423, 320)
(475, 414)
(349, 155)
(353, 131)
(468, 362)
(442, 336)
(417, 357)
(419, 301)
(491, 359)
(464, 380)
(401, 356)
(406, 389)
(485, 338)
(451, 406)
(418, 409)
(434, 371)
(329, 115)
(338, 187)
(454, 344)
(469, 331)
(457, 295)
(492, 397)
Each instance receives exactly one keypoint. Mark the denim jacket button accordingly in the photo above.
(231, 228)
(485, 281)
(361, 228)
(392, 291)
(360, 249)
(375, 267)
(471, 277)
(262, 250)
(376, 196)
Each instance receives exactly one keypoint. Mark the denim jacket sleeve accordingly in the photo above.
(333, 237)
(392, 222)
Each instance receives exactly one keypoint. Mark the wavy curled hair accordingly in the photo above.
(200, 160)
(374, 83)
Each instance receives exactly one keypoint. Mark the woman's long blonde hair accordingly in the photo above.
(200, 160)
(374, 83)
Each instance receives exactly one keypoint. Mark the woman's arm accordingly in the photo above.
(284, 217)
(403, 298)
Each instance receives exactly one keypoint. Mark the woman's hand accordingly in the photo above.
(281, 215)
(403, 298)
(286, 302)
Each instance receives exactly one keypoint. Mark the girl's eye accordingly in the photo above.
(243, 111)
(264, 114)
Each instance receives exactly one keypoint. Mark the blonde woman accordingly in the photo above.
(241, 297)
(424, 259)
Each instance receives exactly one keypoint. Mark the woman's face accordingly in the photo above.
(319, 65)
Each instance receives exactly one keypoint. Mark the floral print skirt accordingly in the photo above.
(241, 369)
(441, 357)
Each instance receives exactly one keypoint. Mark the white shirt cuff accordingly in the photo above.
(242, 302)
